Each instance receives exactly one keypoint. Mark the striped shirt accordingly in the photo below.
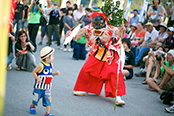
(46, 76)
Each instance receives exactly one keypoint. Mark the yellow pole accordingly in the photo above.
(5, 6)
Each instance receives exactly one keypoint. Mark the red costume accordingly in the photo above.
(102, 63)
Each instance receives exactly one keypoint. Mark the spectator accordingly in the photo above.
(139, 35)
(135, 18)
(147, 43)
(18, 17)
(23, 52)
(129, 59)
(145, 63)
(160, 12)
(44, 28)
(53, 25)
(167, 69)
(151, 61)
(25, 21)
(68, 24)
(75, 9)
(162, 34)
(169, 42)
(10, 49)
(63, 13)
(132, 32)
(36, 10)
(170, 12)
(86, 18)
(79, 13)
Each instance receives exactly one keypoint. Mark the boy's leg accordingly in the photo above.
(47, 100)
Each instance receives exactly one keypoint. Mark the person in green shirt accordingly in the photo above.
(79, 49)
(36, 10)
(166, 79)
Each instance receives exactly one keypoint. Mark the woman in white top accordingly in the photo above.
(162, 35)
(132, 32)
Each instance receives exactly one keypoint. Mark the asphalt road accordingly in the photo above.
(19, 86)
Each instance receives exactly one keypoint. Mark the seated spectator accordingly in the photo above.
(169, 42)
(142, 72)
(23, 52)
(149, 40)
(164, 76)
(139, 35)
(10, 57)
(132, 32)
(151, 61)
(129, 59)
(162, 34)
(79, 48)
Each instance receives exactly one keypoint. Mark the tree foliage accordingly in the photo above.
(115, 15)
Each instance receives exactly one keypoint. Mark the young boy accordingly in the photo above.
(43, 75)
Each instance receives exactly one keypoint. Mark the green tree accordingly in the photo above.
(115, 15)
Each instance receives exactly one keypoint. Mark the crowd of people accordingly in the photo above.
(148, 45)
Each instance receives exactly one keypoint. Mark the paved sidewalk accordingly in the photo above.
(139, 100)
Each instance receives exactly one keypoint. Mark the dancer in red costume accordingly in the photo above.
(102, 63)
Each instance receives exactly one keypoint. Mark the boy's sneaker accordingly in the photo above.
(32, 110)
(48, 114)
(170, 109)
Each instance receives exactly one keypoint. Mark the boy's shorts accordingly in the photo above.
(44, 94)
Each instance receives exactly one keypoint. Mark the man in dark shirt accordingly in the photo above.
(53, 25)
(169, 42)
(18, 17)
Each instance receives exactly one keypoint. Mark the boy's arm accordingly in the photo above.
(56, 73)
(37, 69)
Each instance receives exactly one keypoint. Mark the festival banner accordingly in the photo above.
(127, 8)
(143, 11)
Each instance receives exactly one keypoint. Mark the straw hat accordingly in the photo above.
(46, 51)
(149, 24)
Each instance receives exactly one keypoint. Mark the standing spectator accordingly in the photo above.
(68, 21)
(79, 13)
(10, 49)
(36, 10)
(135, 18)
(160, 12)
(75, 9)
(44, 28)
(63, 13)
(170, 12)
(23, 52)
(18, 17)
(129, 59)
(169, 42)
(150, 36)
(25, 21)
(53, 25)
